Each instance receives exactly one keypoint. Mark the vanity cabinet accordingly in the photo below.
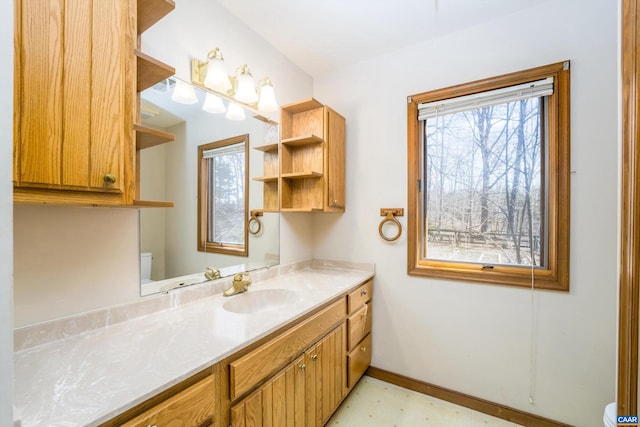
(304, 393)
(312, 158)
(279, 402)
(190, 403)
(359, 332)
(76, 72)
(326, 377)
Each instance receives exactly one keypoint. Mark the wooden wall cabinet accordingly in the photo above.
(312, 158)
(76, 77)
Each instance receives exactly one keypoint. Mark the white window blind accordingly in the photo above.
(534, 89)
(221, 151)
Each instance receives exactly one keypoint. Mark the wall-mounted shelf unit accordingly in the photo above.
(312, 158)
(270, 176)
(149, 72)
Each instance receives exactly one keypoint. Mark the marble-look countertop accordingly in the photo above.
(88, 378)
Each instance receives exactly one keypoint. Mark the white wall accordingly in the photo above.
(67, 286)
(469, 337)
(6, 213)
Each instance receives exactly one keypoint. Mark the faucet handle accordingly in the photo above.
(212, 273)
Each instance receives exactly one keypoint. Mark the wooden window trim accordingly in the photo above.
(203, 244)
(556, 275)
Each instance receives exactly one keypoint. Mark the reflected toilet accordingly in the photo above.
(146, 258)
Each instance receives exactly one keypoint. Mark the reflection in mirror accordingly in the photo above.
(222, 196)
(169, 250)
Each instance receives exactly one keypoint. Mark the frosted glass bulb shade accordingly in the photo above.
(184, 93)
(267, 101)
(217, 78)
(213, 104)
(235, 112)
(246, 91)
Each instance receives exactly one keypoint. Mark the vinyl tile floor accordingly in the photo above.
(377, 403)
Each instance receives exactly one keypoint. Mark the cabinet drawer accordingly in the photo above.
(360, 296)
(358, 325)
(193, 406)
(359, 360)
(254, 367)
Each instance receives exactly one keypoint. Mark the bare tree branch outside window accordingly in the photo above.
(485, 187)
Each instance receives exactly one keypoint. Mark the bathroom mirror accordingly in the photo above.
(169, 236)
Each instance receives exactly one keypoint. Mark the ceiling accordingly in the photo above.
(322, 35)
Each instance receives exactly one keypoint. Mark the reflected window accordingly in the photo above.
(223, 196)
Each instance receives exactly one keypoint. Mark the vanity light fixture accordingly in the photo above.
(211, 74)
(235, 112)
(267, 102)
(216, 75)
(213, 104)
(245, 89)
(184, 93)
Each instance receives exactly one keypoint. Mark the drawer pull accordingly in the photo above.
(314, 357)
(363, 348)
(303, 367)
(363, 292)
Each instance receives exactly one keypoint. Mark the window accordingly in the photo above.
(223, 196)
(489, 180)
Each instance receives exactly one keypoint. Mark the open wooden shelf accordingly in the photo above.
(147, 137)
(152, 204)
(267, 148)
(302, 140)
(265, 178)
(151, 11)
(151, 71)
(301, 210)
(302, 175)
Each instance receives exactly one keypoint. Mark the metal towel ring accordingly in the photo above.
(390, 216)
(254, 214)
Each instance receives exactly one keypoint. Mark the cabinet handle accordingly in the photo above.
(110, 178)
(363, 292)
(302, 367)
(314, 357)
(363, 348)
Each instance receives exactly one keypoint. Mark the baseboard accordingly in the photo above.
(480, 405)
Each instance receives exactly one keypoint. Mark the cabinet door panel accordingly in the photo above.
(75, 98)
(278, 403)
(335, 160)
(107, 103)
(191, 407)
(39, 72)
(77, 93)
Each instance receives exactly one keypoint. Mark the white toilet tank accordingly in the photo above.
(145, 266)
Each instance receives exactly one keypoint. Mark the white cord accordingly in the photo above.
(532, 343)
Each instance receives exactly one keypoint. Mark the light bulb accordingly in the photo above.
(184, 93)
(267, 101)
(235, 112)
(245, 91)
(213, 104)
(217, 77)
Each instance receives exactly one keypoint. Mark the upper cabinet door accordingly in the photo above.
(75, 98)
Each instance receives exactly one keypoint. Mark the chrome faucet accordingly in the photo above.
(212, 273)
(239, 285)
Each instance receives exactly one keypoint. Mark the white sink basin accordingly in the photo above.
(260, 300)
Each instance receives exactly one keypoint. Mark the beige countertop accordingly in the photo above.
(88, 377)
